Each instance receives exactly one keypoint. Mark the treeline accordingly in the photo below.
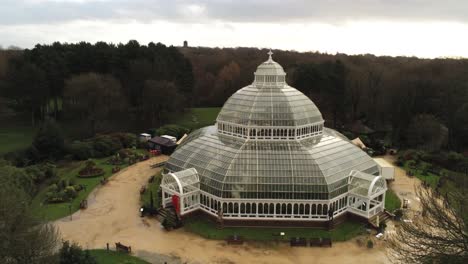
(102, 87)
(411, 102)
(97, 87)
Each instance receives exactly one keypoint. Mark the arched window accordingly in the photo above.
(247, 208)
(230, 208)
(319, 209)
(236, 208)
(289, 209)
(242, 208)
(325, 209)
(283, 209)
(260, 208)
(272, 209)
(224, 208)
(278, 208)
(296, 209)
(301, 209)
(254, 208)
(307, 209)
(314, 209)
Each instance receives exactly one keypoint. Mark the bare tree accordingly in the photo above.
(24, 240)
(439, 235)
(94, 98)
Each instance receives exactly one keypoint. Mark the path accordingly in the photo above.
(404, 186)
(112, 216)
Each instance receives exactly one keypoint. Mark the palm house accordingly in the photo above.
(270, 158)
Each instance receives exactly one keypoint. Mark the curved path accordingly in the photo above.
(113, 216)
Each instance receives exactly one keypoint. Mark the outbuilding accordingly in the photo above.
(164, 145)
(144, 137)
(387, 170)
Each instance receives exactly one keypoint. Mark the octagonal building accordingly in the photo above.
(270, 158)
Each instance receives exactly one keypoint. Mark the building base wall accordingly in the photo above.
(275, 222)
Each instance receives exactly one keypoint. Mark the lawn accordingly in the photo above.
(430, 178)
(15, 137)
(70, 170)
(392, 202)
(111, 257)
(196, 118)
(207, 229)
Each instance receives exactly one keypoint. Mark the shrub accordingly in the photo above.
(78, 187)
(53, 188)
(370, 244)
(124, 153)
(411, 164)
(105, 145)
(49, 141)
(81, 150)
(74, 254)
(62, 184)
(127, 140)
(90, 170)
(70, 192)
(400, 161)
(382, 227)
(72, 181)
(172, 130)
(398, 214)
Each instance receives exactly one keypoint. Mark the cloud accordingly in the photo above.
(20, 12)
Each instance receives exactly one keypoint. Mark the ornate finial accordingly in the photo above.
(269, 54)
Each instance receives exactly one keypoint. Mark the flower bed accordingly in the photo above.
(90, 170)
(63, 191)
(89, 173)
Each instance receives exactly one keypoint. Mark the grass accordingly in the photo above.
(69, 171)
(392, 202)
(103, 256)
(207, 229)
(197, 117)
(15, 137)
(430, 178)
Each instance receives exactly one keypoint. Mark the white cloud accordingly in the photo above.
(423, 39)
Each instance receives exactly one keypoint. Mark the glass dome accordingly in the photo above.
(269, 143)
(270, 109)
(311, 169)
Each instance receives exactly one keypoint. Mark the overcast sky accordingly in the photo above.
(424, 28)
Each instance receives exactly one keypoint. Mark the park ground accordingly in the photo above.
(112, 216)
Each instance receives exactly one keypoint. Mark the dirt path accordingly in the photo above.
(112, 216)
(404, 186)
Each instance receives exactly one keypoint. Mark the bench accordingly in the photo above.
(326, 242)
(122, 248)
(84, 204)
(315, 242)
(298, 242)
(235, 240)
(104, 181)
(320, 242)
